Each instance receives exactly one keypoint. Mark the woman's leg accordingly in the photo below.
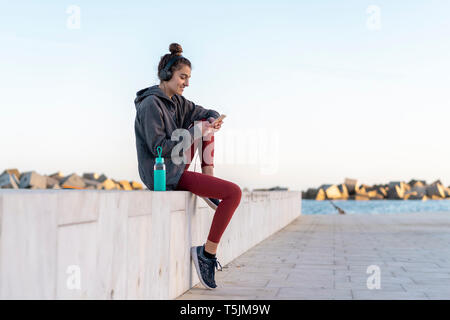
(205, 185)
(208, 186)
(207, 153)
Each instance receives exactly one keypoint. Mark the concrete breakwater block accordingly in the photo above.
(8, 180)
(351, 185)
(32, 180)
(435, 189)
(102, 178)
(311, 193)
(415, 193)
(396, 190)
(447, 192)
(382, 191)
(57, 175)
(343, 190)
(52, 182)
(73, 181)
(105, 182)
(108, 184)
(417, 183)
(125, 185)
(92, 184)
(102, 182)
(14, 172)
(331, 191)
(136, 185)
(91, 176)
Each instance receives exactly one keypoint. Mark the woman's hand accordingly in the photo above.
(216, 126)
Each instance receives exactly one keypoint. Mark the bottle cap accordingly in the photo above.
(159, 159)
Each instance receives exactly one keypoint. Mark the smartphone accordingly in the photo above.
(219, 118)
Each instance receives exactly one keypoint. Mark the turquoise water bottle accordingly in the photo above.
(159, 173)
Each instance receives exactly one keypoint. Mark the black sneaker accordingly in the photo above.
(212, 202)
(205, 267)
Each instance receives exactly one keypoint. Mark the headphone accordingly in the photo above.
(165, 74)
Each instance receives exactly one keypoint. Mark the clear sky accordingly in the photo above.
(314, 91)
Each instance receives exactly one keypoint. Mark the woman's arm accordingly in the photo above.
(154, 130)
(193, 112)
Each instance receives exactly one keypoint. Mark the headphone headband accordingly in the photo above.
(171, 62)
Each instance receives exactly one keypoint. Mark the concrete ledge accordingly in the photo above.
(88, 244)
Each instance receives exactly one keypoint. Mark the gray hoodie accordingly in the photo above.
(157, 116)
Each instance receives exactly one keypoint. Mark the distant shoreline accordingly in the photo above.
(394, 190)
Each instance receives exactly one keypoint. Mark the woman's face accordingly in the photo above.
(179, 80)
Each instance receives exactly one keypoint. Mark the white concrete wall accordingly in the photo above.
(125, 244)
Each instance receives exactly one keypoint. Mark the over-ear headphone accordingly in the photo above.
(165, 74)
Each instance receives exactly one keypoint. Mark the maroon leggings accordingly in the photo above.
(211, 187)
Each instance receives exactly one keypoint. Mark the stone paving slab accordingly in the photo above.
(327, 257)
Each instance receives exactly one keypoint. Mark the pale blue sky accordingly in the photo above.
(341, 99)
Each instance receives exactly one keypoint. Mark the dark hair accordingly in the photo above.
(175, 50)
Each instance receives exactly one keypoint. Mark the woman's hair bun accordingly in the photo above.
(175, 49)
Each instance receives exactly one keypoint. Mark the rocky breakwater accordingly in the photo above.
(13, 179)
(394, 190)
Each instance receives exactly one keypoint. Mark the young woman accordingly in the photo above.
(160, 110)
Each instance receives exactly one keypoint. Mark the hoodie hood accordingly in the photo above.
(153, 90)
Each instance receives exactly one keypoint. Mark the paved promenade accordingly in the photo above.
(327, 257)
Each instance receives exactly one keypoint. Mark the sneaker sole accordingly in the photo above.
(197, 267)
(211, 204)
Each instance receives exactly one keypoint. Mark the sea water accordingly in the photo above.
(374, 206)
